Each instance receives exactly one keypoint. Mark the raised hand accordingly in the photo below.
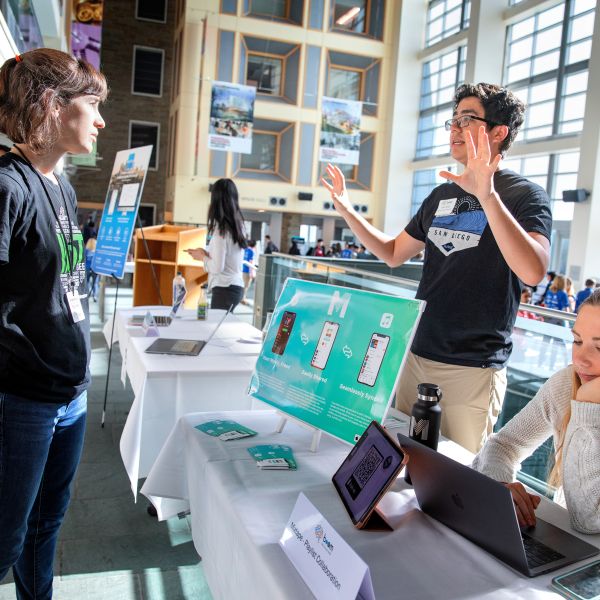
(337, 188)
(478, 177)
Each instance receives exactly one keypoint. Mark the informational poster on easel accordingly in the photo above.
(120, 210)
(332, 355)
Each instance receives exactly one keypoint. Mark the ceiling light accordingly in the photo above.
(348, 16)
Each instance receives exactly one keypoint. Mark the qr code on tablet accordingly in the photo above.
(367, 466)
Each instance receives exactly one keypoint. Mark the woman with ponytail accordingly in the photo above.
(566, 407)
(49, 105)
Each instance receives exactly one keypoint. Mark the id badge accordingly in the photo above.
(75, 307)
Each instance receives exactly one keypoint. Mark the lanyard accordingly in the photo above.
(69, 249)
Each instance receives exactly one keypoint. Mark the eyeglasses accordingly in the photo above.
(465, 121)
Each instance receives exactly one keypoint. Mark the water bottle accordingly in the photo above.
(178, 286)
(426, 418)
(202, 310)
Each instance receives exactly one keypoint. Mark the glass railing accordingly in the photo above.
(22, 24)
(542, 339)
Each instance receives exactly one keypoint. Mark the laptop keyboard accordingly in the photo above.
(537, 553)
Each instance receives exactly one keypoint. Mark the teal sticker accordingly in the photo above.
(225, 430)
(270, 451)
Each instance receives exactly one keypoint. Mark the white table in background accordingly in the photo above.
(238, 514)
(167, 387)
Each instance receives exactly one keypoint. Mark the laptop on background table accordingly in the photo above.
(482, 510)
(162, 320)
(179, 347)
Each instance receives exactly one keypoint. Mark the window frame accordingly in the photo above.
(160, 51)
(277, 57)
(361, 78)
(138, 18)
(288, 10)
(364, 33)
(275, 171)
(156, 124)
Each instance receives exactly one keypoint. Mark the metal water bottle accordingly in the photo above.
(426, 417)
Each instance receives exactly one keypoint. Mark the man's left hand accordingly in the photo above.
(478, 177)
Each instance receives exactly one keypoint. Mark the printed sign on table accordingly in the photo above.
(231, 117)
(340, 131)
(120, 210)
(332, 355)
(328, 565)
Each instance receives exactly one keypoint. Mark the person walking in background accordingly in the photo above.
(49, 106)
(550, 275)
(270, 245)
(590, 284)
(294, 250)
(91, 277)
(249, 268)
(224, 254)
(556, 296)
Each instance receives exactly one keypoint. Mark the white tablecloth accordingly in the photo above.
(166, 387)
(238, 514)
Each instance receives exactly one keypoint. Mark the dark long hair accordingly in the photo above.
(224, 214)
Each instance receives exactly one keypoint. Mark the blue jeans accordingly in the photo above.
(40, 448)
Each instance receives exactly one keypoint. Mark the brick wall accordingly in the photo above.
(120, 32)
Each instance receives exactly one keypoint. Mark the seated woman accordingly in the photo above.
(567, 406)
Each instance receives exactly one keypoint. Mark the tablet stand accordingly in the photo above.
(316, 437)
(377, 522)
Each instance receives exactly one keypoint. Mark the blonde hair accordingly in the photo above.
(558, 283)
(555, 477)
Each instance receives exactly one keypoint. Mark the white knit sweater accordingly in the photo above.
(501, 456)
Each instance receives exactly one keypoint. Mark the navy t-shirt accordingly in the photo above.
(472, 295)
(44, 355)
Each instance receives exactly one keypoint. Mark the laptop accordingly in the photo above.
(162, 320)
(179, 347)
(482, 510)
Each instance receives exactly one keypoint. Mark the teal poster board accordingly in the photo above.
(332, 355)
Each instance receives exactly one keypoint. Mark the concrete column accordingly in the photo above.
(485, 42)
(583, 260)
(275, 225)
(328, 231)
(404, 118)
(290, 226)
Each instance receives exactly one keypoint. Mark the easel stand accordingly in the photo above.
(316, 437)
(110, 348)
(114, 316)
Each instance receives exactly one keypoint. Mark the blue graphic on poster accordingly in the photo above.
(120, 210)
(333, 355)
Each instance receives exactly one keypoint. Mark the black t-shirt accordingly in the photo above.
(44, 355)
(472, 295)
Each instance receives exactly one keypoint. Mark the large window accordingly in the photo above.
(445, 18)
(441, 77)
(265, 73)
(147, 71)
(264, 153)
(142, 133)
(290, 11)
(424, 181)
(549, 76)
(553, 172)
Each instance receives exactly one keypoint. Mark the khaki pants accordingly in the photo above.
(472, 397)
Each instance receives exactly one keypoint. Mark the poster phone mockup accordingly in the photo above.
(332, 355)
(120, 210)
